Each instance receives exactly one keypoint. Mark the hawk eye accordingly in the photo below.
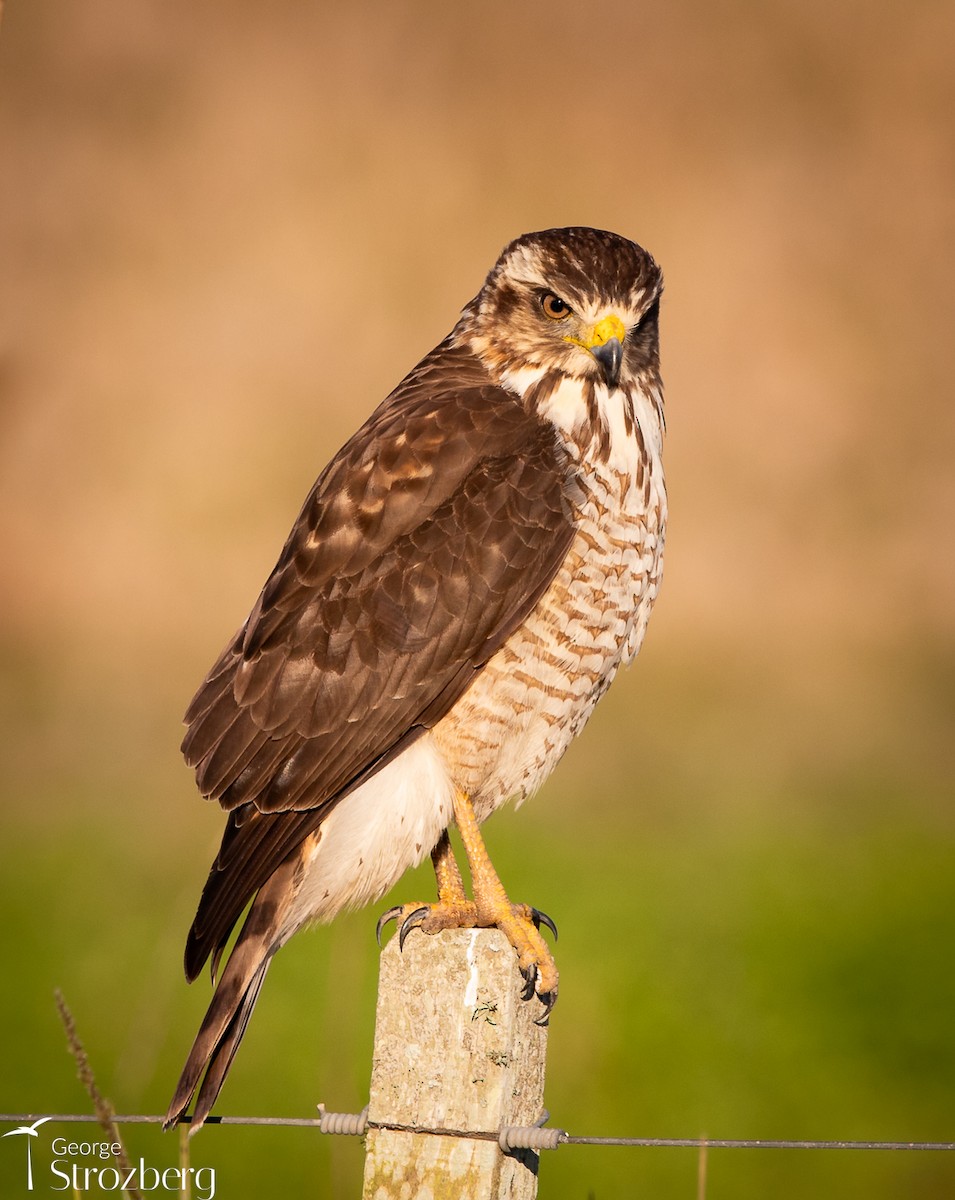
(554, 307)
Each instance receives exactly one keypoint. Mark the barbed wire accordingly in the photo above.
(511, 1137)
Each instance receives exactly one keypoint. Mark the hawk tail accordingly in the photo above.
(231, 1007)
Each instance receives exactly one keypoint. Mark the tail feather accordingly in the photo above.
(228, 1014)
(222, 1056)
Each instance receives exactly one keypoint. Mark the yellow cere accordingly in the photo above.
(606, 328)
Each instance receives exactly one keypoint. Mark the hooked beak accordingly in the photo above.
(609, 355)
(605, 343)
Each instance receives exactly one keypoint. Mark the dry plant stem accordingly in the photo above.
(186, 1178)
(101, 1106)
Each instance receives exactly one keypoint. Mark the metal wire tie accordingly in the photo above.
(511, 1137)
(347, 1123)
(531, 1137)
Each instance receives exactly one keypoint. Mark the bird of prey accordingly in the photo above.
(464, 580)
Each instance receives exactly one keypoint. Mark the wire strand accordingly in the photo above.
(564, 1139)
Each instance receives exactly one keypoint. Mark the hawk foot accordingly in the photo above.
(520, 924)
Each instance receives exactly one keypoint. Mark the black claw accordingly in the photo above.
(409, 923)
(548, 999)
(530, 979)
(541, 918)
(383, 920)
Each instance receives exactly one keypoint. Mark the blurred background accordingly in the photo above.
(226, 231)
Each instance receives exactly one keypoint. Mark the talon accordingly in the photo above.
(548, 999)
(383, 920)
(409, 923)
(541, 918)
(530, 979)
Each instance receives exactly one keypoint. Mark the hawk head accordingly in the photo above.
(577, 302)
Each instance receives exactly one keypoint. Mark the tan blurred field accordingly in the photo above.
(227, 230)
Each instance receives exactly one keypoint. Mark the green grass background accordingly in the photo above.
(747, 974)
(226, 230)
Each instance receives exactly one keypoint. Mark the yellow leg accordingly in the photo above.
(451, 899)
(450, 883)
(490, 907)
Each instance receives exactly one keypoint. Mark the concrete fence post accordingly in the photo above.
(456, 1048)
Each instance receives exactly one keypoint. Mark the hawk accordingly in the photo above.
(464, 580)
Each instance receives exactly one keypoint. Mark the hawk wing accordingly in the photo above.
(423, 545)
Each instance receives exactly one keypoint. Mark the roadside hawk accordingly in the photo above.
(457, 593)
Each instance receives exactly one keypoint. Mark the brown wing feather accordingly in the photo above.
(423, 545)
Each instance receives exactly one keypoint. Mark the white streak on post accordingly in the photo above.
(470, 992)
